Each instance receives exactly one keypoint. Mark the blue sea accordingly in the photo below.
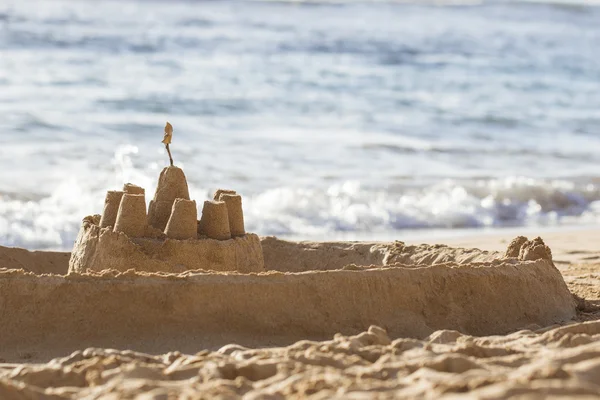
(346, 119)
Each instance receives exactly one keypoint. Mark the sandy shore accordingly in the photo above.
(555, 358)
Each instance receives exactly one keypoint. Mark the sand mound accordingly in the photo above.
(563, 362)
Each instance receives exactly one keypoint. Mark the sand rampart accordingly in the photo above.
(287, 256)
(282, 255)
(155, 313)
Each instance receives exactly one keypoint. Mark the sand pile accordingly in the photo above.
(563, 361)
(169, 237)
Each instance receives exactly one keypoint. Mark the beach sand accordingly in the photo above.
(500, 332)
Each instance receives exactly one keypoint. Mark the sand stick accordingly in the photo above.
(168, 137)
(215, 220)
(183, 223)
(170, 156)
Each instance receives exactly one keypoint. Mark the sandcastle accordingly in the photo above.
(309, 290)
(167, 237)
(167, 276)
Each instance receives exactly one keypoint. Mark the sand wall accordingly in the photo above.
(98, 249)
(157, 313)
(39, 262)
(286, 256)
(282, 255)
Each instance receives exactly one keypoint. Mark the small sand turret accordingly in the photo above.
(219, 192)
(183, 223)
(131, 219)
(235, 213)
(172, 185)
(215, 220)
(111, 208)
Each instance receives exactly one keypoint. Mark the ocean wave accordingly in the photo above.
(449, 204)
(463, 150)
(52, 222)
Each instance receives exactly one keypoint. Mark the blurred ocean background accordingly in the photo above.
(335, 120)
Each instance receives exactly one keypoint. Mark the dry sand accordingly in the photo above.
(560, 362)
(520, 335)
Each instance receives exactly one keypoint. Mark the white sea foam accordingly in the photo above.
(335, 211)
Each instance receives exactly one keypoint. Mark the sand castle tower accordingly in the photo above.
(168, 236)
(172, 185)
(182, 222)
(131, 218)
(111, 208)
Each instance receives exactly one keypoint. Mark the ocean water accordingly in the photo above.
(333, 119)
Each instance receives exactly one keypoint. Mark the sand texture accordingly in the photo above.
(563, 362)
(98, 249)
